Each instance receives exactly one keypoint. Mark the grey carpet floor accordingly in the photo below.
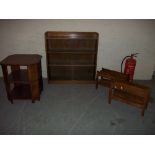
(74, 109)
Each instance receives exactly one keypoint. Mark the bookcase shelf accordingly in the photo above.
(71, 56)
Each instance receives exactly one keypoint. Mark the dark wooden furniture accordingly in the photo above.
(130, 93)
(107, 76)
(71, 56)
(22, 76)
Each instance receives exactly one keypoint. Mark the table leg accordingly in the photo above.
(7, 83)
(97, 82)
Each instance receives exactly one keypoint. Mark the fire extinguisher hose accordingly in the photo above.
(132, 55)
(123, 62)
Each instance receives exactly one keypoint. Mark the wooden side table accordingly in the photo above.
(24, 80)
(131, 93)
(107, 76)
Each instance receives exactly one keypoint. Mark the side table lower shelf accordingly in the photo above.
(21, 92)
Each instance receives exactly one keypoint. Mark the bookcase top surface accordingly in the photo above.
(67, 34)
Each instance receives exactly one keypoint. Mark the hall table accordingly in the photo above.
(22, 75)
(107, 76)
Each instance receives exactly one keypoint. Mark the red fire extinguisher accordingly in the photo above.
(130, 65)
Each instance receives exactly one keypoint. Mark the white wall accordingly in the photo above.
(117, 38)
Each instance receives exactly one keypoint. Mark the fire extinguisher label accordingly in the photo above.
(130, 67)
